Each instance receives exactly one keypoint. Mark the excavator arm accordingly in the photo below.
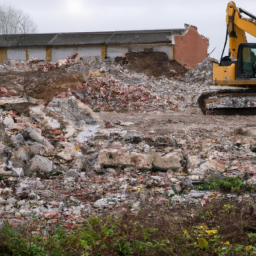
(228, 70)
(237, 26)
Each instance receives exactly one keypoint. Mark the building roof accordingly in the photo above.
(91, 38)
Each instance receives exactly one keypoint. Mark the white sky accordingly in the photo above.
(112, 15)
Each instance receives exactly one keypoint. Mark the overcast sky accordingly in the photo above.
(112, 15)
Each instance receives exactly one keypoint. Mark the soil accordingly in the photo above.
(169, 121)
(41, 85)
(152, 64)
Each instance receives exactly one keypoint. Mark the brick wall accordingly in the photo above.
(190, 48)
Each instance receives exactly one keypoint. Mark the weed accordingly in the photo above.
(227, 184)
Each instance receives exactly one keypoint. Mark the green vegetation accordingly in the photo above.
(227, 184)
(153, 231)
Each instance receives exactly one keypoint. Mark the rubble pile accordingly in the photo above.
(112, 141)
(114, 95)
(201, 74)
(35, 64)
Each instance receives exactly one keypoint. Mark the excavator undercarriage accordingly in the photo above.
(228, 101)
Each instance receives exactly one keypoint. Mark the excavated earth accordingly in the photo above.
(64, 157)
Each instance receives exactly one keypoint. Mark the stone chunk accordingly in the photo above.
(72, 173)
(168, 161)
(115, 157)
(100, 203)
(193, 160)
(41, 164)
(23, 154)
(213, 165)
(34, 134)
(196, 194)
(142, 161)
(8, 121)
(67, 151)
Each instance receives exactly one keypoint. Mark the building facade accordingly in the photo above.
(186, 45)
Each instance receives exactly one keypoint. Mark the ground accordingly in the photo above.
(94, 138)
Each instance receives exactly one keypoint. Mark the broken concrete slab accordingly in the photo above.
(41, 165)
(115, 157)
(167, 161)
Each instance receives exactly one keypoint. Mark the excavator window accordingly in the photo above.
(246, 61)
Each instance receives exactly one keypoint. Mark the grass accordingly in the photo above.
(184, 230)
(227, 184)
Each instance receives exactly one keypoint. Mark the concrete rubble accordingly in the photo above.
(112, 142)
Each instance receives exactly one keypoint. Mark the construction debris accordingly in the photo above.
(95, 137)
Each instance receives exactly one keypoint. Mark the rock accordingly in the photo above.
(126, 123)
(135, 207)
(193, 161)
(161, 141)
(168, 161)
(32, 195)
(74, 110)
(170, 192)
(8, 121)
(18, 140)
(25, 212)
(133, 137)
(98, 169)
(22, 154)
(115, 157)
(100, 203)
(19, 171)
(33, 134)
(157, 178)
(37, 149)
(2, 147)
(6, 174)
(37, 113)
(41, 164)
(72, 173)
(47, 193)
(213, 165)
(196, 194)
(69, 131)
(67, 151)
(177, 188)
(103, 70)
(248, 131)
(186, 184)
(53, 123)
(142, 161)
(11, 200)
(253, 147)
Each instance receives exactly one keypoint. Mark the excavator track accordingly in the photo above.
(230, 101)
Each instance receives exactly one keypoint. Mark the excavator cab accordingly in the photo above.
(246, 61)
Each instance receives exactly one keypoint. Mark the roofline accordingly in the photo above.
(102, 32)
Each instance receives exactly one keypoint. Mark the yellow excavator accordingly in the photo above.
(235, 75)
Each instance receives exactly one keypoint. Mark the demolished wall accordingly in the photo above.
(190, 48)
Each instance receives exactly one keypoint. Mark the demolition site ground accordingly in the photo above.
(98, 159)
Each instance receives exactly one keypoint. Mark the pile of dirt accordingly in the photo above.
(151, 63)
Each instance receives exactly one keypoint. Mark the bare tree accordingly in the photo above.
(15, 21)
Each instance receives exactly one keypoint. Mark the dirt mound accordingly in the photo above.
(151, 63)
(41, 85)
